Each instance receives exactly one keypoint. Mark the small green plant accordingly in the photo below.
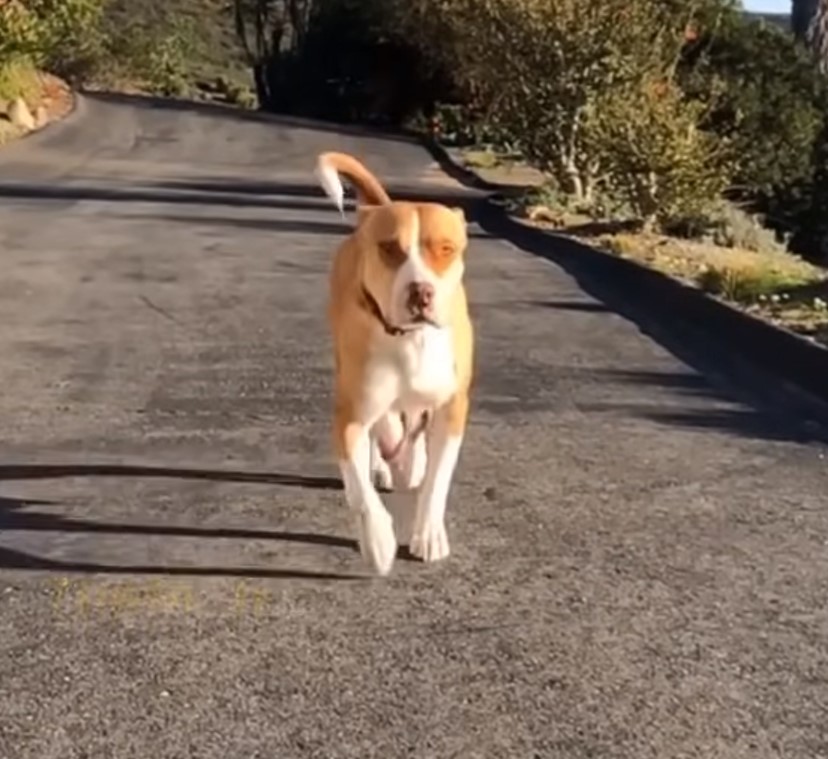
(235, 93)
(167, 59)
(741, 286)
(62, 36)
(735, 228)
(18, 79)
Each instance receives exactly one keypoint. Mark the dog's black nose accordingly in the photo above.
(420, 296)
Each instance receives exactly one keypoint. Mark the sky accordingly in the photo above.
(768, 6)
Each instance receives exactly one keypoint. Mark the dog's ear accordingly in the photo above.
(459, 213)
(363, 212)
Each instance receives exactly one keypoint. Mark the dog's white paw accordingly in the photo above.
(429, 541)
(377, 541)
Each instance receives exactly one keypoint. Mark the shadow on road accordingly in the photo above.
(217, 110)
(273, 196)
(734, 418)
(772, 409)
(569, 305)
(55, 471)
(12, 517)
(15, 516)
(300, 226)
(12, 559)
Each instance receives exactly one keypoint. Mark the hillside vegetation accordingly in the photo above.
(170, 47)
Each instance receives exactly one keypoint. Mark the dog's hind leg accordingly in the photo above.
(380, 471)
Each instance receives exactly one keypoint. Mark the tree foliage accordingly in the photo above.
(54, 34)
(771, 101)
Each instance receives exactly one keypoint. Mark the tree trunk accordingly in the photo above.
(818, 35)
(802, 13)
(262, 85)
(809, 23)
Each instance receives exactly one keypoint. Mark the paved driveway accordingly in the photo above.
(639, 563)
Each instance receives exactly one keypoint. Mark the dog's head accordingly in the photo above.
(413, 260)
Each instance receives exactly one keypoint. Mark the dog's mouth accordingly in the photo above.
(422, 320)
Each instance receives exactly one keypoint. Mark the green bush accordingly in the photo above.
(657, 157)
(62, 36)
(18, 79)
(770, 105)
(151, 52)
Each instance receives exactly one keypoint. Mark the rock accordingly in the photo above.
(20, 115)
(543, 213)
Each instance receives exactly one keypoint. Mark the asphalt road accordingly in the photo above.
(639, 551)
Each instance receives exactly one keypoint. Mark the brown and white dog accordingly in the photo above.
(403, 343)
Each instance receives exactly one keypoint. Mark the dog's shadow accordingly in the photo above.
(16, 516)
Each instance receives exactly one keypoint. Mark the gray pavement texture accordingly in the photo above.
(639, 557)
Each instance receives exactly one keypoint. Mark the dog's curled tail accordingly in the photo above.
(369, 189)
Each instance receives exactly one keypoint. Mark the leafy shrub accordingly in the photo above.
(63, 36)
(729, 226)
(770, 104)
(238, 94)
(658, 158)
(153, 52)
(21, 34)
(733, 227)
(72, 36)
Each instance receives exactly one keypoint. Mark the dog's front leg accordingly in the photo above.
(429, 540)
(377, 542)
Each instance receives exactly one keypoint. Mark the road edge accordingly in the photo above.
(776, 350)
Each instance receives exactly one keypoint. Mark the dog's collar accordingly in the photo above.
(376, 312)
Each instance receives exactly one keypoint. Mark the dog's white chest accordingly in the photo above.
(425, 362)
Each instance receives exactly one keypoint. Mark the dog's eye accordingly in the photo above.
(392, 251)
(443, 250)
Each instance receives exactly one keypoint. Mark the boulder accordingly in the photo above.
(20, 115)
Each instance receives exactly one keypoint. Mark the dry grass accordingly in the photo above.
(716, 269)
(776, 286)
(767, 281)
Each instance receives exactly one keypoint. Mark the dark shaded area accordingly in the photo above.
(353, 64)
(154, 102)
(55, 471)
(569, 305)
(14, 518)
(11, 518)
(240, 195)
(761, 421)
(11, 559)
(694, 329)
